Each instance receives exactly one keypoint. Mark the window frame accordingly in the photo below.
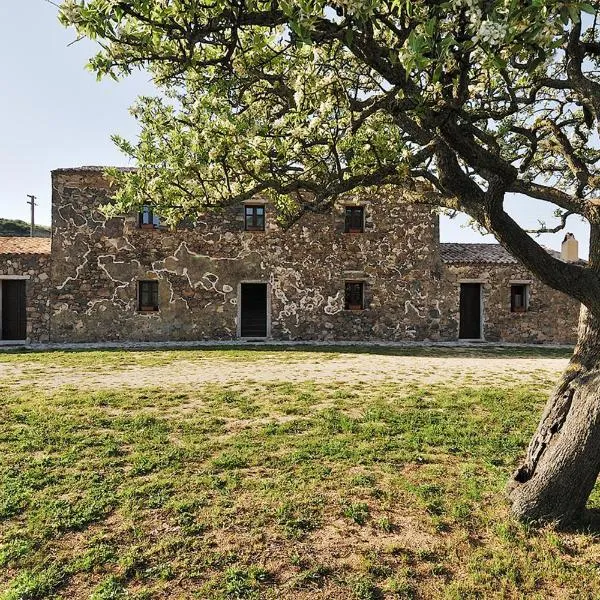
(253, 208)
(154, 306)
(524, 307)
(348, 304)
(350, 219)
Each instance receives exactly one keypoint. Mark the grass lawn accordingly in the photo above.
(305, 490)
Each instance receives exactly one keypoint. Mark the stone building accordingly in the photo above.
(513, 305)
(24, 288)
(372, 269)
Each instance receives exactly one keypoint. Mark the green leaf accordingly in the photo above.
(588, 8)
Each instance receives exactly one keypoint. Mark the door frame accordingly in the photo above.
(239, 309)
(13, 342)
(482, 283)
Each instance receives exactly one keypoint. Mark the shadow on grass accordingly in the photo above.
(492, 352)
(589, 523)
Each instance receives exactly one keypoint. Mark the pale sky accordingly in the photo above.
(54, 114)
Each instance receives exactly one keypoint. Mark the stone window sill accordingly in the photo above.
(146, 311)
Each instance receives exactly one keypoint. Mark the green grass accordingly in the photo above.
(274, 490)
(106, 359)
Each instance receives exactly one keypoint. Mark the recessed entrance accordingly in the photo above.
(470, 311)
(253, 310)
(14, 315)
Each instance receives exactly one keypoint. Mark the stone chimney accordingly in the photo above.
(569, 251)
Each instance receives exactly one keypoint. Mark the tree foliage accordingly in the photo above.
(305, 100)
(18, 228)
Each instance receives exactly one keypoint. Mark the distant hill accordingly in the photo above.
(16, 227)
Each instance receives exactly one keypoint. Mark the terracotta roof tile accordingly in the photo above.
(476, 253)
(92, 169)
(491, 254)
(24, 245)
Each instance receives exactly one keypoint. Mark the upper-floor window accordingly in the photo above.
(519, 297)
(148, 295)
(254, 217)
(147, 218)
(355, 219)
(354, 295)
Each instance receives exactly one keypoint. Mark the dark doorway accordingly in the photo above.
(470, 311)
(253, 310)
(14, 315)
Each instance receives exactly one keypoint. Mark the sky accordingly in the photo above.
(55, 114)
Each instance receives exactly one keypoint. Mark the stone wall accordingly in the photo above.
(551, 316)
(409, 293)
(37, 268)
(97, 263)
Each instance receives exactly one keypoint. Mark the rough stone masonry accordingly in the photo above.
(92, 284)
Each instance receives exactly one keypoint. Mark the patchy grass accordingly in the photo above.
(109, 358)
(275, 490)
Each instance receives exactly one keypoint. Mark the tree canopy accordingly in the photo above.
(18, 228)
(305, 100)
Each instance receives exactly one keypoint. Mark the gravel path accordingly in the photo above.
(342, 368)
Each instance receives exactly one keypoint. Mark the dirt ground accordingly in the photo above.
(425, 370)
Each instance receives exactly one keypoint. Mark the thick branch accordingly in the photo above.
(549, 194)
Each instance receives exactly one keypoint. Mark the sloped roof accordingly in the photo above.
(92, 169)
(24, 245)
(485, 254)
(476, 253)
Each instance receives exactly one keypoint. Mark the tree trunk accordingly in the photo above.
(563, 458)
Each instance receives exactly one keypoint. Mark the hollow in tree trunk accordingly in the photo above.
(563, 458)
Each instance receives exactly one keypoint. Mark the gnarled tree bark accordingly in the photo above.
(563, 458)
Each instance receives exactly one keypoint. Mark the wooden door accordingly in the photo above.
(253, 310)
(470, 311)
(14, 315)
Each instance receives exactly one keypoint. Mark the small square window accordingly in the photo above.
(354, 295)
(354, 220)
(148, 296)
(147, 218)
(519, 298)
(254, 217)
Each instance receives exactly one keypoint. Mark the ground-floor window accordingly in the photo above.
(148, 295)
(519, 297)
(354, 295)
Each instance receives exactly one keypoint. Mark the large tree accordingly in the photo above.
(305, 100)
